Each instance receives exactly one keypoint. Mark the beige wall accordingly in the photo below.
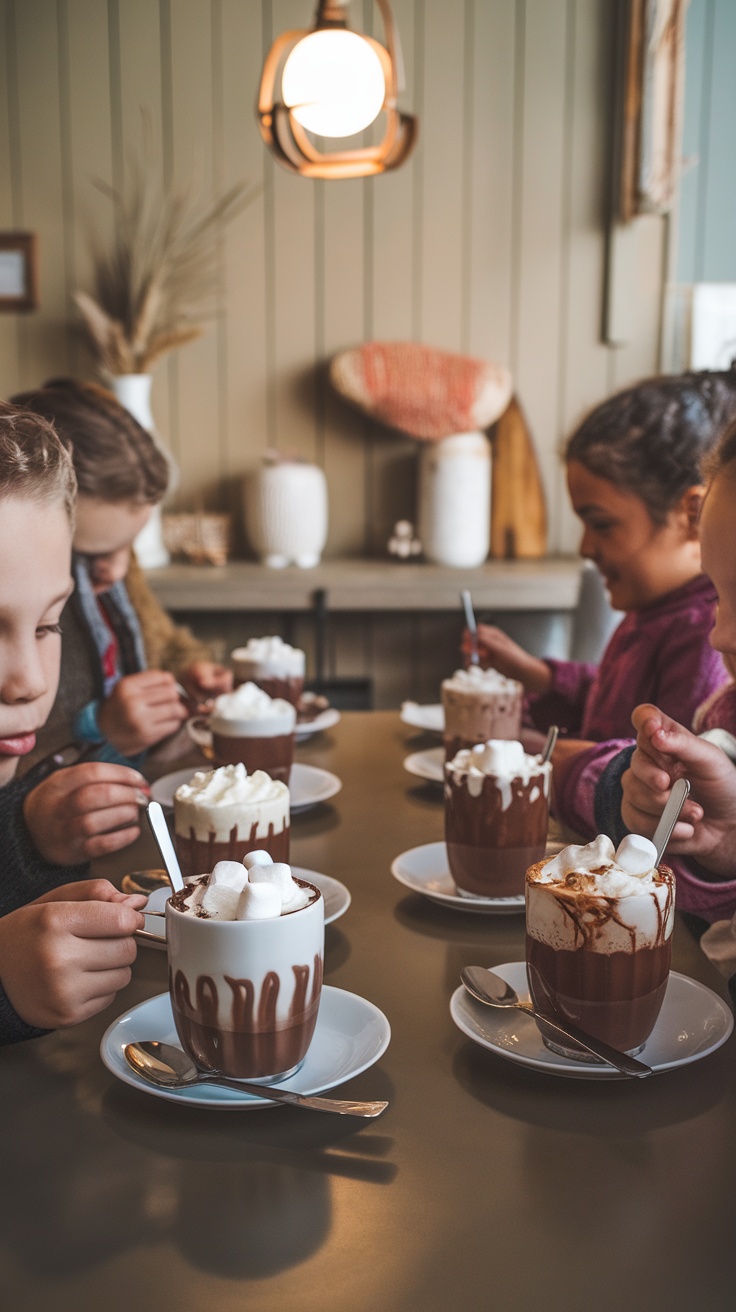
(489, 241)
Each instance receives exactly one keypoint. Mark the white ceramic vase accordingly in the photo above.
(286, 514)
(455, 500)
(134, 392)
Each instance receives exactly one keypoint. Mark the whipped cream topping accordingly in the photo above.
(607, 899)
(505, 760)
(270, 656)
(231, 892)
(228, 785)
(218, 801)
(474, 680)
(250, 712)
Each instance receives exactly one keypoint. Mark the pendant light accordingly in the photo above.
(331, 82)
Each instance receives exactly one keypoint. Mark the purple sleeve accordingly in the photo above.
(564, 703)
(690, 672)
(701, 892)
(574, 785)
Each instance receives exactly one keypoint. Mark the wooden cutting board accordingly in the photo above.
(518, 508)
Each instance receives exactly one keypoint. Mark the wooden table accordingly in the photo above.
(484, 1186)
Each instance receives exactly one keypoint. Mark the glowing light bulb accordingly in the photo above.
(333, 83)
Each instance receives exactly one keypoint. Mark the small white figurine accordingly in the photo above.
(403, 543)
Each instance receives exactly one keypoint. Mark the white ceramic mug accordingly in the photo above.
(245, 993)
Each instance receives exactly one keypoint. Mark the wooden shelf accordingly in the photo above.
(552, 584)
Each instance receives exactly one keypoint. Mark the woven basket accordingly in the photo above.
(200, 538)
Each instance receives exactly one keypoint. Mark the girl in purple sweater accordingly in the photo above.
(633, 473)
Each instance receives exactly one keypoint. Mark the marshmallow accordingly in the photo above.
(196, 895)
(257, 858)
(220, 902)
(277, 873)
(583, 858)
(258, 902)
(636, 855)
(229, 874)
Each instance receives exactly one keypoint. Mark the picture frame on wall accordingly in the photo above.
(652, 103)
(18, 271)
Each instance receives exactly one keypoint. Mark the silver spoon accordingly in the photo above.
(490, 988)
(169, 1067)
(670, 816)
(160, 831)
(470, 620)
(549, 746)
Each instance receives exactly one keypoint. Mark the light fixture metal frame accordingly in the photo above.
(291, 143)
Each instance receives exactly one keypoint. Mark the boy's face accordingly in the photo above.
(104, 533)
(35, 581)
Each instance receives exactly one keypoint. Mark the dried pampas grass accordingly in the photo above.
(159, 280)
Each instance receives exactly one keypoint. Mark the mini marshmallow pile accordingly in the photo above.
(273, 653)
(474, 679)
(616, 872)
(249, 702)
(256, 889)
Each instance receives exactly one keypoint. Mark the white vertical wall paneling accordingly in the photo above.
(136, 59)
(442, 178)
(9, 201)
(90, 146)
(490, 221)
(44, 338)
(540, 223)
(295, 292)
(243, 339)
(193, 157)
(584, 357)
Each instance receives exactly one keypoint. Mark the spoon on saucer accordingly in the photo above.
(488, 987)
(169, 1067)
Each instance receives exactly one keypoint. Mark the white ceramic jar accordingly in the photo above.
(286, 514)
(455, 500)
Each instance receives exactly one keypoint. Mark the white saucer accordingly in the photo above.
(425, 870)
(429, 718)
(308, 786)
(336, 895)
(325, 720)
(693, 1022)
(351, 1035)
(429, 764)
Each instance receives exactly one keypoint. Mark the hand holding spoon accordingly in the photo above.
(169, 1067)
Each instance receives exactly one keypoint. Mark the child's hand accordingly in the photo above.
(665, 751)
(84, 811)
(496, 649)
(141, 710)
(205, 680)
(64, 957)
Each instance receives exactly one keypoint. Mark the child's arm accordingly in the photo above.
(64, 957)
(665, 751)
(84, 811)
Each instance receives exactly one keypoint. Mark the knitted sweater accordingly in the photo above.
(660, 654)
(25, 876)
